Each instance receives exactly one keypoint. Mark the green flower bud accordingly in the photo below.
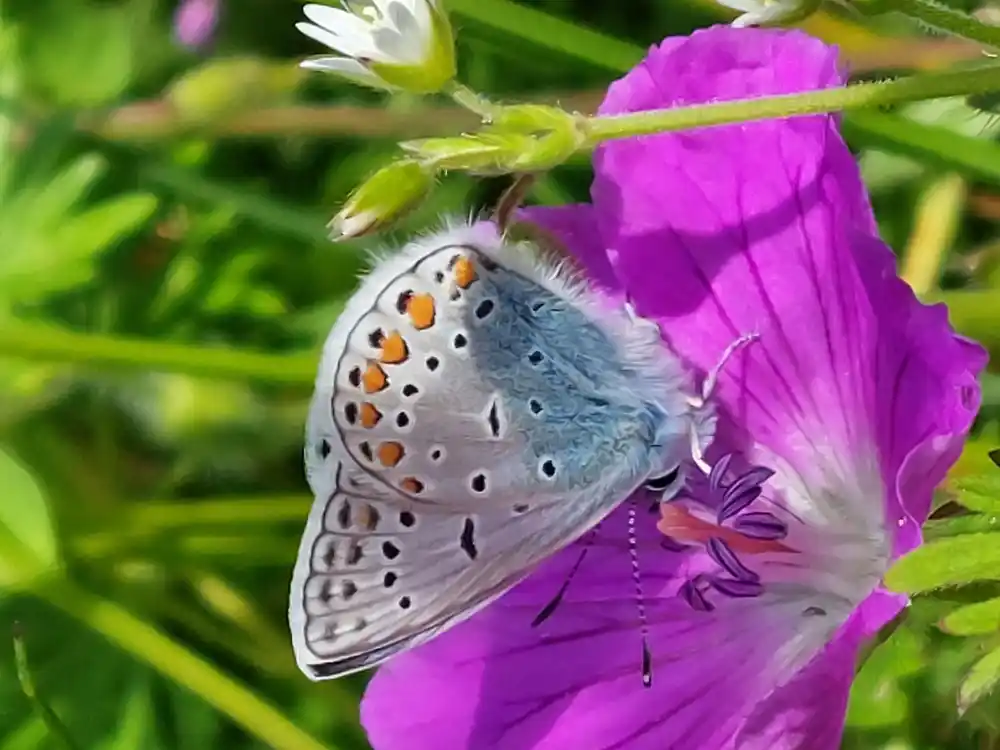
(391, 192)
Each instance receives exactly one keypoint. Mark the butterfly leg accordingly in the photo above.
(698, 403)
(548, 610)
(708, 386)
(511, 200)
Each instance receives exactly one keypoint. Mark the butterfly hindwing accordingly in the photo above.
(377, 574)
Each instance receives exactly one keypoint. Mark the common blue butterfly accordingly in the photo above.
(478, 407)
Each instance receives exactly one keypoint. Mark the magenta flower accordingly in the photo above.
(195, 22)
(761, 582)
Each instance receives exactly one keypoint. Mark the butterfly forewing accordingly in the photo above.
(475, 411)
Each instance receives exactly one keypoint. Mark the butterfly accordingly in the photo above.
(478, 407)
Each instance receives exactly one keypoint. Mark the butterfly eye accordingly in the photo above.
(662, 483)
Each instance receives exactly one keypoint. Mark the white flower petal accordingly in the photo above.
(746, 6)
(350, 44)
(382, 6)
(762, 15)
(346, 68)
(393, 47)
(411, 40)
(340, 65)
(322, 36)
(337, 21)
(422, 11)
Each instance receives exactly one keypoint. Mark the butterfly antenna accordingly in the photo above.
(633, 551)
(550, 608)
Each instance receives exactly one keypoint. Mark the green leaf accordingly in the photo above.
(550, 32)
(27, 539)
(981, 618)
(972, 523)
(979, 493)
(947, 562)
(929, 144)
(980, 681)
(83, 55)
(877, 697)
(883, 170)
(72, 247)
(137, 725)
(52, 722)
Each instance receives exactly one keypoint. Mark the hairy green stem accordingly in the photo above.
(472, 101)
(942, 18)
(608, 127)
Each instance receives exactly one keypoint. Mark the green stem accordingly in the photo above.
(160, 515)
(942, 18)
(52, 723)
(184, 667)
(476, 103)
(48, 343)
(608, 127)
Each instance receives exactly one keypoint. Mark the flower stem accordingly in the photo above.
(472, 101)
(49, 343)
(930, 86)
(942, 18)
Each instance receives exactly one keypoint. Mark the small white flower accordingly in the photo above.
(759, 12)
(394, 44)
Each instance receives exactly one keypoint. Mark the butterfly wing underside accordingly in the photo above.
(456, 438)
(374, 577)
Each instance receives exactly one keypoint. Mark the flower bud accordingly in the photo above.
(391, 192)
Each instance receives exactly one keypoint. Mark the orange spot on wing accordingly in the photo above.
(394, 349)
(678, 523)
(368, 517)
(391, 453)
(420, 308)
(465, 272)
(374, 379)
(370, 416)
(412, 485)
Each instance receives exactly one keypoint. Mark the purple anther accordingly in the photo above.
(736, 589)
(672, 545)
(718, 473)
(743, 491)
(695, 597)
(761, 525)
(725, 558)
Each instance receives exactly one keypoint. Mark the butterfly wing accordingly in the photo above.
(377, 574)
(474, 412)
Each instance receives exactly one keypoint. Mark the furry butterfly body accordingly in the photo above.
(477, 408)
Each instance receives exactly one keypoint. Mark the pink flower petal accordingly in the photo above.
(576, 680)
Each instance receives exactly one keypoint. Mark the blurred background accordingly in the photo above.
(166, 175)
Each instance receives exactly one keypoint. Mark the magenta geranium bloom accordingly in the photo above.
(762, 580)
(195, 22)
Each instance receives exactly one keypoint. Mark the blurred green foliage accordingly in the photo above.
(165, 281)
